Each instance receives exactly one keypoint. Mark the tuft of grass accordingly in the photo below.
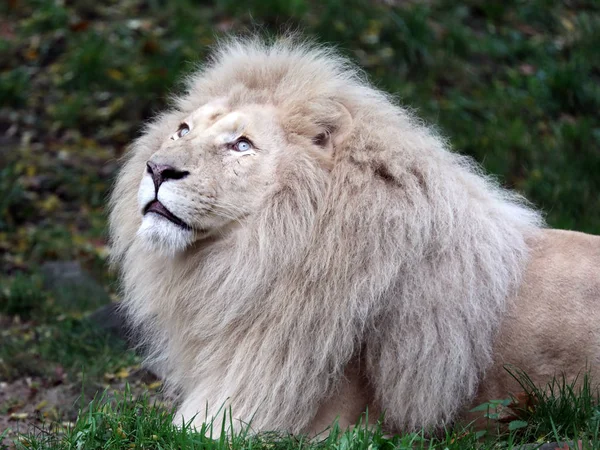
(22, 296)
(13, 200)
(267, 10)
(561, 409)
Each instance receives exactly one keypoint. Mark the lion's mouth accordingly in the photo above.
(158, 208)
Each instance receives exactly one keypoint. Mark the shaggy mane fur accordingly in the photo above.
(402, 256)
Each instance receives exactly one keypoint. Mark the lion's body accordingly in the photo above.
(550, 331)
(551, 326)
(344, 234)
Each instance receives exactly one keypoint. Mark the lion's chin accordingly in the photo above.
(162, 236)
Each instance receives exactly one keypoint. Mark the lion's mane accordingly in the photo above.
(402, 255)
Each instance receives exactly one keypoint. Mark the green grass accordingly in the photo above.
(71, 344)
(563, 413)
(21, 296)
(515, 84)
(562, 408)
(135, 423)
(48, 329)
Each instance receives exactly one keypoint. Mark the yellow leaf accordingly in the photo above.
(102, 251)
(50, 203)
(27, 336)
(41, 405)
(115, 74)
(123, 373)
(154, 385)
(79, 240)
(87, 142)
(19, 416)
(567, 24)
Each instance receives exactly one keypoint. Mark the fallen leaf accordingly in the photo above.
(115, 74)
(123, 373)
(82, 25)
(41, 405)
(109, 376)
(31, 54)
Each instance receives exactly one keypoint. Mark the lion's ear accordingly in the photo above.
(335, 129)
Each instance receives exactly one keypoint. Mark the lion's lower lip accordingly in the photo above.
(158, 208)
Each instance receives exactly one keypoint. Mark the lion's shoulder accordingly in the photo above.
(566, 251)
(563, 267)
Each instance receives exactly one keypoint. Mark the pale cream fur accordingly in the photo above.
(349, 258)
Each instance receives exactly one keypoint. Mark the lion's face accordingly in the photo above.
(211, 172)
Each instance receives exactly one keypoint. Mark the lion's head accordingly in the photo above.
(209, 174)
(285, 218)
(222, 157)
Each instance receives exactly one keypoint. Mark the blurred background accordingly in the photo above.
(515, 84)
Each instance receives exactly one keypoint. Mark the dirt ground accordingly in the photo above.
(39, 405)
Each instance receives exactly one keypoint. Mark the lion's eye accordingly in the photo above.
(242, 145)
(181, 131)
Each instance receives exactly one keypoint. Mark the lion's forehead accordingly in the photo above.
(216, 120)
(229, 126)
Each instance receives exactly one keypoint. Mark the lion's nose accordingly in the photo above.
(164, 172)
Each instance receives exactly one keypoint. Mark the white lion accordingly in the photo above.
(296, 246)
